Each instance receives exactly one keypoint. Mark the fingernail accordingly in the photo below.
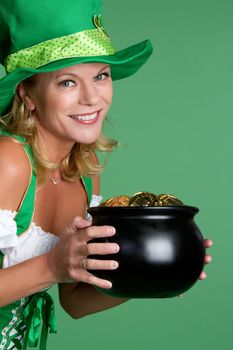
(209, 242)
(111, 230)
(108, 285)
(115, 264)
(202, 276)
(115, 248)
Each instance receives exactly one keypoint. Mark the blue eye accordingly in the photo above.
(67, 83)
(101, 76)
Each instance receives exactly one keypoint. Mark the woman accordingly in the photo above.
(53, 101)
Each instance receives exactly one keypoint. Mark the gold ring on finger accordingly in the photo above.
(83, 263)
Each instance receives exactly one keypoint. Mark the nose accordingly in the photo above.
(88, 94)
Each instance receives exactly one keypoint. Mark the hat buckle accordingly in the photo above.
(97, 20)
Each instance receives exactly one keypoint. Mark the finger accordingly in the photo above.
(208, 259)
(208, 243)
(180, 296)
(202, 276)
(87, 277)
(80, 223)
(102, 248)
(95, 264)
(77, 224)
(93, 232)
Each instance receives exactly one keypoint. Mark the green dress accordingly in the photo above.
(26, 322)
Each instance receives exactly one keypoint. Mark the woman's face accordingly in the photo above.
(70, 104)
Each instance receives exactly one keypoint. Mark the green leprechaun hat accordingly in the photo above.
(46, 35)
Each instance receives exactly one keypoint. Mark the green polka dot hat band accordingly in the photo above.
(43, 36)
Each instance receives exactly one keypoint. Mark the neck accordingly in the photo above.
(55, 148)
(55, 177)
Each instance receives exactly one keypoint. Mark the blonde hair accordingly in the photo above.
(81, 161)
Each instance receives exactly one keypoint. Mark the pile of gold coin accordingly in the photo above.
(142, 199)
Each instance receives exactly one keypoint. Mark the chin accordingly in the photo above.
(88, 140)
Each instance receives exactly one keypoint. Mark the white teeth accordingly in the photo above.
(85, 117)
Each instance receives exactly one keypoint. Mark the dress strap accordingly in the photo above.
(87, 182)
(1, 259)
(24, 215)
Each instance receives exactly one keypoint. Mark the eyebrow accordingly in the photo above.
(76, 75)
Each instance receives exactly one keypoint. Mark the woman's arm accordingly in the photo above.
(80, 300)
(24, 279)
(62, 264)
(35, 274)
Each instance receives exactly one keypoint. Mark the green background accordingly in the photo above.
(174, 121)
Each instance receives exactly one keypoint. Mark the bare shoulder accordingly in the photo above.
(15, 172)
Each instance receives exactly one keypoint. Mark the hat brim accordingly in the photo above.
(124, 63)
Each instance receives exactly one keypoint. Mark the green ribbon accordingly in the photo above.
(38, 311)
(90, 42)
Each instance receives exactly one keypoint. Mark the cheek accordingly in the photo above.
(50, 104)
(45, 108)
(40, 107)
(107, 94)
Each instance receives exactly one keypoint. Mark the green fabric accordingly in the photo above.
(24, 216)
(11, 318)
(19, 32)
(40, 310)
(31, 22)
(91, 42)
(1, 259)
(35, 316)
(88, 186)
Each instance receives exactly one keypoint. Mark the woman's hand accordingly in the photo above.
(208, 258)
(69, 260)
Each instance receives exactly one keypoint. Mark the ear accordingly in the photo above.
(30, 105)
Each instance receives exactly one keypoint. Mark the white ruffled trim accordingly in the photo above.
(8, 229)
(17, 249)
(95, 200)
(34, 243)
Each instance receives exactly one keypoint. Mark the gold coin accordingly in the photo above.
(168, 200)
(119, 201)
(143, 199)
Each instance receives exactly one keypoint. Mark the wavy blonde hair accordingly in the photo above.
(81, 161)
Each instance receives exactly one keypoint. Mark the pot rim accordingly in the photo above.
(180, 208)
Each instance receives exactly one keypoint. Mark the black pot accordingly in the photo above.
(161, 250)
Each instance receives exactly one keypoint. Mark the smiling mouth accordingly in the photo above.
(85, 117)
